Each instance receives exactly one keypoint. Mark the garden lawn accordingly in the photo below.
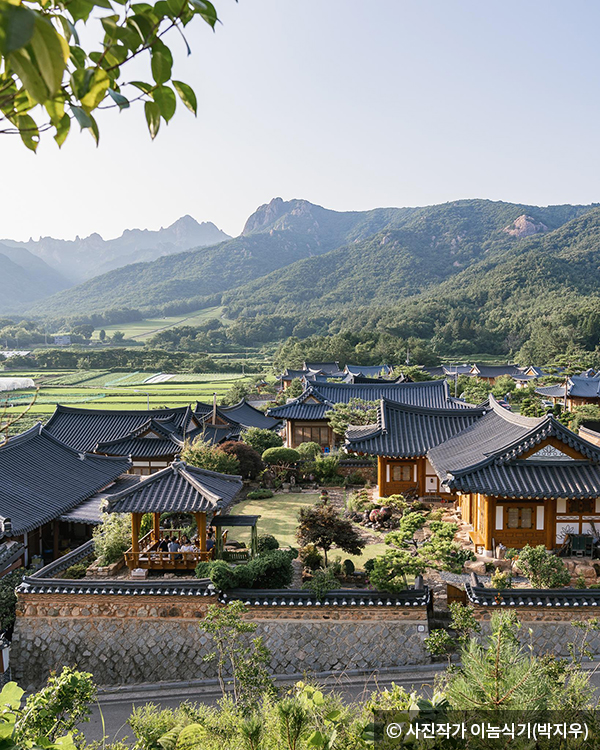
(279, 516)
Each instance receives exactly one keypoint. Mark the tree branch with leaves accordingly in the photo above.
(49, 77)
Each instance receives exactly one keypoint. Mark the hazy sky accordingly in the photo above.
(351, 104)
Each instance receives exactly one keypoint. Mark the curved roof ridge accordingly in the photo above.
(509, 416)
(431, 410)
(153, 412)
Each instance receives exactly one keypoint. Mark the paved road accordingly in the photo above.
(115, 707)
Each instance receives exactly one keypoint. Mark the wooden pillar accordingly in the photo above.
(156, 527)
(550, 523)
(201, 524)
(381, 467)
(489, 523)
(136, 519)
(55, 529)
(421, 475)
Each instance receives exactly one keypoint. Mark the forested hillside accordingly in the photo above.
(295, 256)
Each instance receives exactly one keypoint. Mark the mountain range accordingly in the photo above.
(459, 270)
(83, 258)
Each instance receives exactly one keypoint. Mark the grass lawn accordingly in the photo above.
(279, 516)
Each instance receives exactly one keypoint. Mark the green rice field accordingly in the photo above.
(140, 330)
(99, 389)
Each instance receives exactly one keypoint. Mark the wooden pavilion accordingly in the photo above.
(177, 489)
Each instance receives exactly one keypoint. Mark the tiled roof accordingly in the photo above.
(496, 371)
(42, 478)
(329, 368)
(405, 431)
(181, 488)
(517, 597)
(90, 511)
(485, 458)
(432, 394)
(419, 597)
(288, 374)
(368, 371)
(578, 386)
(83, 429)
(248, 416)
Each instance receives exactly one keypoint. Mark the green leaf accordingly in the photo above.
(165, 98)
(17, 24)
(162, 62)
(152, 118)
(30, 76)
(51, 54)
(55, 109)
(176, 6)
(145, 87)
(187, 95)
(82, 117)
(119, 99)
(206, 11)
(80, 10)
(143, 26)
(78, 56)
(11, 695)
(62, 130)
(98, 87)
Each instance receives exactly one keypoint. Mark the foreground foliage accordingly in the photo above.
(49, 75)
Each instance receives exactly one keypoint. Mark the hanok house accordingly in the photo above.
(306, 416)
(180, 489)
(153, 439)
(575, 391)
(490, 373)
(243, 414)
(42, 482)
(521, 480)
(401, 439)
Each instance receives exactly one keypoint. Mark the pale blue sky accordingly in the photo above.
(351, 104)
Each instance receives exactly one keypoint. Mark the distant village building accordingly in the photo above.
(62, 340)
(575, 391)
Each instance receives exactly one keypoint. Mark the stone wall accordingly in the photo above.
(128, 640)
(552, 629)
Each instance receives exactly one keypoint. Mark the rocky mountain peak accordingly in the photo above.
(525, 226)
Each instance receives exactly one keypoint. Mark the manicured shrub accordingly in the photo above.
(249, 460)
(369, 564)
(280, 456)
(266, 543)
(349, 567)
(544, 570)
(259, 494)
(75, 571)
(271, 570)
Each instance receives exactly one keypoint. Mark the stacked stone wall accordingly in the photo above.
(129, 640)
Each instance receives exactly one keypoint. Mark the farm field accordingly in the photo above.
(279, 516)
(143, 329)
(117, 390)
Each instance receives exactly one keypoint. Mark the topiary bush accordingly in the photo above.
(280, 456)
(259, 494)
(311, 557)
(266, 543)
(271, 570)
